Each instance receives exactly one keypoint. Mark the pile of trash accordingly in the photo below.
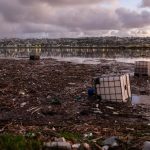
(52, 97)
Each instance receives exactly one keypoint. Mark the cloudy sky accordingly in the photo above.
(74, 18)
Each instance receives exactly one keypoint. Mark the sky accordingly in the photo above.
(74, 18)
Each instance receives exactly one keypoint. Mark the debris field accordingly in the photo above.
(48, 97)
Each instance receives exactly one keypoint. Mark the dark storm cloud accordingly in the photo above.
(64, 2)
(11, 12)
(85, 18)
(35, 28)
(133, 19)
(18, 13)
(76, 17)
(72, 20)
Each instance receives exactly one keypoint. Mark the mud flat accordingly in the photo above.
(48, 97)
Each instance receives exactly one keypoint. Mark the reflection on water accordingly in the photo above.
(74, 52)
(78, 60)
(141, 99)
(131, 60)
(80, 55)
(83, 60)
(95, 53)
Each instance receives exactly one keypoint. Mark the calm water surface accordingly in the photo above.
(82, 55)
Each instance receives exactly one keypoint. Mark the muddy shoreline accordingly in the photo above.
(51, 96)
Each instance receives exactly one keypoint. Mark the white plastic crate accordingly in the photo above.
(113, 88)
(142, 68)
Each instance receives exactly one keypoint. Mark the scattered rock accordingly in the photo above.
(76, 146)
(23, 104)
(88, 135)
(112, 141)
(115, 113)
(57, 145)
(62, 139)
(86, 146)
(106, 147)
(98, 112)
(130, 129)
(112, 108)
(72, 83)
(22, 93)
(49, 97)
(97, 105)
(53, 129)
